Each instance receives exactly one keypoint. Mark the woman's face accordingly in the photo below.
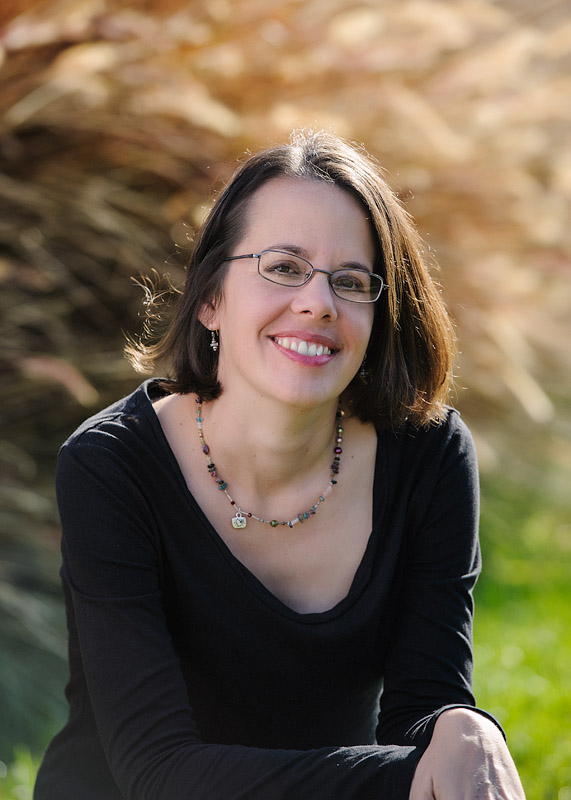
(263, 325)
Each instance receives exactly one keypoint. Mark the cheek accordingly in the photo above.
(247, 317)
(261, 306)
(363, 326)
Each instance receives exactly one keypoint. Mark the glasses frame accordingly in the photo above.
(309, 275)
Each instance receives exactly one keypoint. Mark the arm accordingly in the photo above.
(429, 662)
(113, 565)
(429, 669)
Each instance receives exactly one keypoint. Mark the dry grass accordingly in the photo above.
(118, 120)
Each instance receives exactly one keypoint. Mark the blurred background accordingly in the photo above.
(118, 122)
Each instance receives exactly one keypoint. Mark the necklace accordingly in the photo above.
(241, 518)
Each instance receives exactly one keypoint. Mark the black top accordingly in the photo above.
(189, 679)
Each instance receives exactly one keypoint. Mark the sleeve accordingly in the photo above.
(429, 664)
(112, 564)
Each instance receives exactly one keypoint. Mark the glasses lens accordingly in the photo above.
(356, 285)
(283, 268)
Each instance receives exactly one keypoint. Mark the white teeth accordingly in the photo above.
(303, 347)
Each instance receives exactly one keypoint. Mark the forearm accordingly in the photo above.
(244, 773)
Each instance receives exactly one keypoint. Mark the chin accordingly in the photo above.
(308, 397)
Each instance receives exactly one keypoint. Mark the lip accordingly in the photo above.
(314, 361)
(326, 341)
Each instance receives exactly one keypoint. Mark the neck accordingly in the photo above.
(268, 449)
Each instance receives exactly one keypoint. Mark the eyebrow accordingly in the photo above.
(296, 250)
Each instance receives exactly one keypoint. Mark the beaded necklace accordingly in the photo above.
(241, 518)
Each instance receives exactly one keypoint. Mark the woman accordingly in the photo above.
(268, 558)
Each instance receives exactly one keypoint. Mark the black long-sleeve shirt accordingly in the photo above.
(190, 680)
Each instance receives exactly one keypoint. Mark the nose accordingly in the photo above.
(316, 297)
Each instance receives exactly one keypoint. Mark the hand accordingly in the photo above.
(467, 759)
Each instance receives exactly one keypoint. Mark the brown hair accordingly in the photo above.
(408, 364)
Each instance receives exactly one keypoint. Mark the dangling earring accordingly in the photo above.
(214, 340)
(363, 370)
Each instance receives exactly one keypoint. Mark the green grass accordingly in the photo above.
(17, 778)
(522, 640)
(523, 633)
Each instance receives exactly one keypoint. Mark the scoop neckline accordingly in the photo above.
(255, 586)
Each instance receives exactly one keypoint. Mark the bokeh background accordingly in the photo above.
(118, 122)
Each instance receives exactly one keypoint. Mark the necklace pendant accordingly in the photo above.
(239, 521)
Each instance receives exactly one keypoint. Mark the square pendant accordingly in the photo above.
(239, 521)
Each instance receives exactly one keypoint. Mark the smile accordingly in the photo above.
(302, 347)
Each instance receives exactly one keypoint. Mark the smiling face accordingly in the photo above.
(300, 345)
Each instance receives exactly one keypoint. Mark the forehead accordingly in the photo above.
(307, 212)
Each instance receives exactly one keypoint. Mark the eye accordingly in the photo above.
(352, 280)
(283, 266)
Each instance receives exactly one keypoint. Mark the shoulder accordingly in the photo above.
(432, 474)
(416, 461)
(128, 425)
(446, 435)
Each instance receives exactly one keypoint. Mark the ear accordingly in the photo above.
(207, 315)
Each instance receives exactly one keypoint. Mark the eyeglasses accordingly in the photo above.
(355, 284)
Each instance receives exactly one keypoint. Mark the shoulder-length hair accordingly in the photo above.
(409, 355)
